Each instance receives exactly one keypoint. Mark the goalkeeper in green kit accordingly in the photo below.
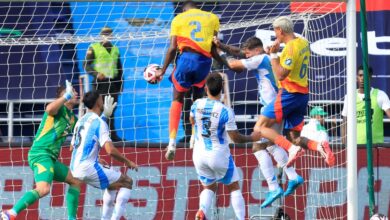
(58, 121)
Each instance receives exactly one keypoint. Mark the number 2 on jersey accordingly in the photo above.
(195, 30)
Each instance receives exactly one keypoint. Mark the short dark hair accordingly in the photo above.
(370, 71)
(60, 89)
(252, 43)
(189, 4)
(90, 99)
(106, 31)
(214, 83)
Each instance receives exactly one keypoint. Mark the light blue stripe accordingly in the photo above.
(207, 114)
(73, 159)
(229, 173)
(266, 64)
(89, 142)
(102, 176)
(206, 181)
(81, 123)
(193, 110)
(223, 118)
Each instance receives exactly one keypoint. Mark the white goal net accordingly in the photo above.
(44, 43)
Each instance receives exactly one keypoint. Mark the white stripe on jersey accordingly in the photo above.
(265, 78)
(212, 121)
(90, 133)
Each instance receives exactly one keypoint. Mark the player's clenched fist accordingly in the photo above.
(130, 164)
(69, 93)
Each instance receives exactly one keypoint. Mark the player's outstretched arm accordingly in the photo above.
(280, 72)
(235, 65)
(109, 106)
(169, 56)
(114, 153)
(232, 50)
(237, 137)
(53, 107)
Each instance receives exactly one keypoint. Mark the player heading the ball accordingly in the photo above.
(192, 32)
(212, 122)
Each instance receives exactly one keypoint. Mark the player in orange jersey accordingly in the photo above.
(291, 69)
(192, 32)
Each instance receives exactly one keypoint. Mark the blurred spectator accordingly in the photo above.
(379, 102)
(103, 63)
(315, 129)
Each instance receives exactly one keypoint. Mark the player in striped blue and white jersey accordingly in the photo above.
(212, 123)
(254, 58)
(91, 133)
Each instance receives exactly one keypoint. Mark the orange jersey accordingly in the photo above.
(295, 57)
(195, 29)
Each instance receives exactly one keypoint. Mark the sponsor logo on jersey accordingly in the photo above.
(288, 62)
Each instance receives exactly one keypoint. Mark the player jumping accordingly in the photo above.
(91, 133)
(57, 122)
(192, 33)
(257, 59)
(212, 121)
(290, 105)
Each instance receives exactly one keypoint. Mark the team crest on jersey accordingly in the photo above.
(288, 62)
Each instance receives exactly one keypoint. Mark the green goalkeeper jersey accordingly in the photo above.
(52, 133)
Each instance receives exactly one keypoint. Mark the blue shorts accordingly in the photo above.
(290, 107)
(191, 70)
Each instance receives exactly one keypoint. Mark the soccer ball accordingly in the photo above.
(150, 74)
(378, 217)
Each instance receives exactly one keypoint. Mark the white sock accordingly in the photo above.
(205, 198)
(172, 143)
(267, 169)
(108, 203)
(281, 157)
(121, 200)
(238, 204)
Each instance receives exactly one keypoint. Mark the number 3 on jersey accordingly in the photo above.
(195, 30)
(206, 127)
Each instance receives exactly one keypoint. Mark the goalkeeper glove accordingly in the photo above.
(109, 106)
(68, 91)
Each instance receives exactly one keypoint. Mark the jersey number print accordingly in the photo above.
(195, 30)
(303, 71)
(78, 137)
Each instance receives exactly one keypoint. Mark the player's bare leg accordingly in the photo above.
(205, 199)
(323, 147)
(123, 181)
(263, 126)
(174, 120)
